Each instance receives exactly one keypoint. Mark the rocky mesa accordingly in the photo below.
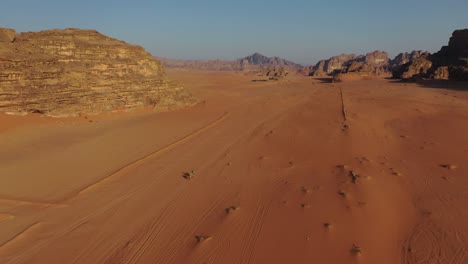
(72, 71)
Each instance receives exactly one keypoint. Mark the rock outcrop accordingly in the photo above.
(451, 62)
(375, 63)
(441, 73)
(403, 58)
(272, 73)
(418, 67)
(458, 45)
(72, 71)
(333, 65)
(261, 60)
(454, 56)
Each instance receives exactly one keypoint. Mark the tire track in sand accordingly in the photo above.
(122, 170)
(78, 223)
(142, 160)
(23, 233)
(432, 245)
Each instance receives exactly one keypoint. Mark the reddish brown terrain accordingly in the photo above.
(255, 163)
(294, 171)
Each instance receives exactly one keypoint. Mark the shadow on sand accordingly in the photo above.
(324, 79)
(436, 84)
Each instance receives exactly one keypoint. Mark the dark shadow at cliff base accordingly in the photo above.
(437, 84)
(325, 79)
(444, 84)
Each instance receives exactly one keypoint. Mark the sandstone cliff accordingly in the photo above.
(451, 62)
(71, 71)
(403, 58)
(374, 63)
(333, 65)
(418, 66)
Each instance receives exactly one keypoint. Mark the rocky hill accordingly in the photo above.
(451, 62)
(71, 71)
(372, 63)
(332, 65)
(261, 60)
(403, 58)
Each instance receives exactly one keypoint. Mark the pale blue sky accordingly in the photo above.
(300, 30)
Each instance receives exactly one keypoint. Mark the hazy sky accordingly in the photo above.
(300, 30)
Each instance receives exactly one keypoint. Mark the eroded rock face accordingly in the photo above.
(454, 56)
(377, 62)
(441, 73)
(333, 65)
(417, 68)
(458, 44)
(377, 58)
(451, 62)
(71, 71)
(374, 63)
(404, 58)
(319, 69)
(276, 73)
(337, 64)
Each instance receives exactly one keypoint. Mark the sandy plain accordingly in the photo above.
(296, 171)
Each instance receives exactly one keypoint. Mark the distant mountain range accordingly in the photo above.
(253, 62)
(451, 62)
(259, 59)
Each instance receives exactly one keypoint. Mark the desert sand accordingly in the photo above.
(296, 171)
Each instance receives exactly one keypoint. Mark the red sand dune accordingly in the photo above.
(299, 171)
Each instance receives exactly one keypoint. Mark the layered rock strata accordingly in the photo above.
(72, 71)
